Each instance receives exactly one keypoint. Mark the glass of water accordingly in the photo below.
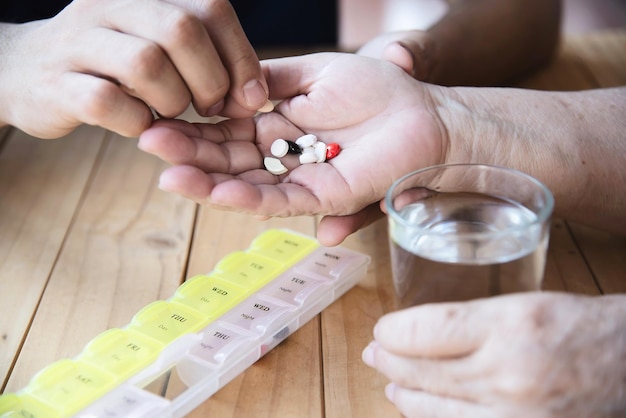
(466, 231)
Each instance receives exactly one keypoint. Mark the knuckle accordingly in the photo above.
(175, 107)
(517, 386)
(535, 316)
(212, 92)
(219, 88)
(149, 62)
(218, 7)
(246, 57)
(513, 381)
(182, 27)
(99, 103)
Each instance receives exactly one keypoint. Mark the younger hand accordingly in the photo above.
(522, 355)
(109, 63)
(384, 121)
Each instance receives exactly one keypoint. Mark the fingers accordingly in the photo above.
(435, 330)
(389, 46)
(414, 53)
(411, 50)
(456, 377)
(204, 43)
(256, 192)
(222, 165)
(187, 181)
(292, 76)
(96, 101)
(139, 65)
(415, 403)
(183, 38)
(226, 147)
(400, 55)
(261, 193)
(166, 54)
(332, 230)
(248, 88)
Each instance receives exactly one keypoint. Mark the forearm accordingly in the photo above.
(573, 142)
(492, 42)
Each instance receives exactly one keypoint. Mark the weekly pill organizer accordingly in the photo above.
(209, 331)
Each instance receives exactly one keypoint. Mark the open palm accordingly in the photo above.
(383, 119)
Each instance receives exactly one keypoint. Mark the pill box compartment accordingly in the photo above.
(175, 354)
(228, 346)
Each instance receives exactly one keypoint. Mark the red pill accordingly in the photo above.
(332, 150)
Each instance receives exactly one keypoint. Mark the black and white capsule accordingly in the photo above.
(282, 147)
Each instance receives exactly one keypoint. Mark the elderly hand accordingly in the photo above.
(108, 63)
(522, 355)
(324, 95)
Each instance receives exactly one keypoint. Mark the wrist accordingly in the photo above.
(501, 126)
(457, 124)
(570, 141)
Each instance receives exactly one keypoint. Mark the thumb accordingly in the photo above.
(292, 76)
(399, 54)
(332, 230)
(433, 330)
(414, 53)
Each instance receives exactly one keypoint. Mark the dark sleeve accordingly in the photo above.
(266, 23)
(19, 11)
(288, 22)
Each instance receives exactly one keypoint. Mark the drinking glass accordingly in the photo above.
(464, 231)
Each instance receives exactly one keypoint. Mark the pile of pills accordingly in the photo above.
(308, 149)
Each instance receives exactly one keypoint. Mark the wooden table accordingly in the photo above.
(87, 240)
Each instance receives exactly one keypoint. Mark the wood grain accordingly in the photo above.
(88, 239)
(41, 186)
(125, 248)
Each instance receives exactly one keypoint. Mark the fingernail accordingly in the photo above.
(390, 390)
(215, 109)
(375, 332)
(410, 52)
(164, 184)
(254, 94)
(267, 107)
(368, 354)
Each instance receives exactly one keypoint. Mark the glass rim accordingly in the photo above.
(542, 215)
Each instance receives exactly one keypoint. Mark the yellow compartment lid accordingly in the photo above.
(69, 385)
(209, 295)
(165, 321)
(248, 270)
(21, 405)
(122, 352)
(282, 246)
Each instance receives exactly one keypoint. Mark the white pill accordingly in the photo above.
(274, 166)
(279, 148)
(306, 140)
(320, 151)
(307, 156)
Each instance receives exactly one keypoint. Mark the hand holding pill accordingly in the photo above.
(114, 63)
